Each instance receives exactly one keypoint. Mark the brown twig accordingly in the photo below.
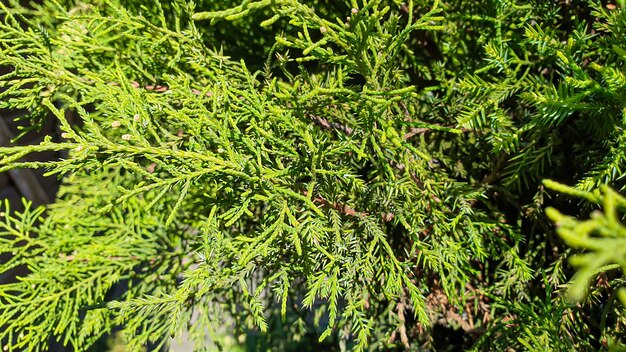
(347, 210)
(421, 130)
(342, 208)
(159, 88)
(72, 257)
(332, 125)
(415, 131)
(400, 309)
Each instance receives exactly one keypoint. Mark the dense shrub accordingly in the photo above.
(318, 174)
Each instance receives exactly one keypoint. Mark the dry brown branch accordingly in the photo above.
(347, 210)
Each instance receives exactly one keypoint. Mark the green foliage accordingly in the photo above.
(603, 236)
(602, 240)
(327, 174)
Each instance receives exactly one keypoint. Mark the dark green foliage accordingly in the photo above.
(314, 174)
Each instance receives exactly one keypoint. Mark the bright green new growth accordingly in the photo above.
(603, 236)
(345, 173)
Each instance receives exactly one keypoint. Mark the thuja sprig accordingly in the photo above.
(603, 236)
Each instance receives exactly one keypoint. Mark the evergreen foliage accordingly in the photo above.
(353, 175)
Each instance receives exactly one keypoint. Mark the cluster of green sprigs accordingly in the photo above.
(273, 188)
(602, 262)
(603, 236)
(357, 175)
(571, 87)
(73, 258)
